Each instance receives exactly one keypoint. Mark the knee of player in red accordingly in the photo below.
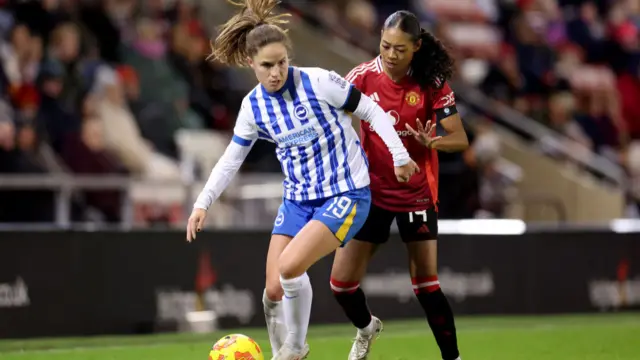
(343, 287)
(425, 284)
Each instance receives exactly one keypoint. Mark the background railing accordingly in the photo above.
(252, 201)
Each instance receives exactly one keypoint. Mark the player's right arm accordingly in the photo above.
(245, 135)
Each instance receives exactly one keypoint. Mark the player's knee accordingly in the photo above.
(273, 290)
(289, 268)
(342, 288)
(291, 286)
(425, 284)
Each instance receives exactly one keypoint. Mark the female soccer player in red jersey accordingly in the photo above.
(409, 81)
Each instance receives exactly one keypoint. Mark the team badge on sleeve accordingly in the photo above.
(412, 98)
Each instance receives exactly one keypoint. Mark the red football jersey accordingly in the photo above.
(404, 102)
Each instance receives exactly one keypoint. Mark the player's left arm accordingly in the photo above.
(446, 114)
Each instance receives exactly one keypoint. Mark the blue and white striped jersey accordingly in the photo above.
(317, 146)
(318, 149)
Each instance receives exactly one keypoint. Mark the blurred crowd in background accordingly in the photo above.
(572, 65)
(102, 86)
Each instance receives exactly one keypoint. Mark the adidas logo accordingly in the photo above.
(375, 97)
(423, 229)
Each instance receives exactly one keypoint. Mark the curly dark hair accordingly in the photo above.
(432, 64)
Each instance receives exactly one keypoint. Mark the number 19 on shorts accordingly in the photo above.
(339, 206)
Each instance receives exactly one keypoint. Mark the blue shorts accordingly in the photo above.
(343, 214)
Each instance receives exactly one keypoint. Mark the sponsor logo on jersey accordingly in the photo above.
(394, 118)
(338, 80)
(448, 100)
(412, 98)
(298, 137)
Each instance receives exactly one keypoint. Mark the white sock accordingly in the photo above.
(298, 296)
(274, 317)
(369, 329)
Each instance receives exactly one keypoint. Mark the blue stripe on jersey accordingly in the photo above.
(294, 95)
(262, 128)
(305, 172)
(364, 155)
(317, 159)
(290, 168)
(326, 127)
(240, 141)
(273, 120)
(347, 170)
(283, 109)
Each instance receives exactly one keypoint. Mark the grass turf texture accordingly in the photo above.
(575, 337)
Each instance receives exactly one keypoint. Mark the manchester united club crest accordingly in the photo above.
(412, 98)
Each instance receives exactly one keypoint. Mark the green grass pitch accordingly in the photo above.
(575, 337)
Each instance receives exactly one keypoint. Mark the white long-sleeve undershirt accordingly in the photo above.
(379, 120)
(222, 174)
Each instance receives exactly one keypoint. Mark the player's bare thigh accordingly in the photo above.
(272, 283)
(351, 261)
(423, 258)
(311, 244)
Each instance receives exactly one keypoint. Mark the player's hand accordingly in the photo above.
(195, 224)
(425, 135)
(404, 172)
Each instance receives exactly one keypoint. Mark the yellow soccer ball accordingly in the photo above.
(236, 347)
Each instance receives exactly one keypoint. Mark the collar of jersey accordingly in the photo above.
(287, 85)
(402, 82)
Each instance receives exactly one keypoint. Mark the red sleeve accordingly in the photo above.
(356, 77)
(442, 96)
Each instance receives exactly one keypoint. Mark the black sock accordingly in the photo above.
(440, 319)
(354, 304)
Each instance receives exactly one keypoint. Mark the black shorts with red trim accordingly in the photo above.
(413, 226)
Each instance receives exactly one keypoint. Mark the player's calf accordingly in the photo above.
(439, 314)
(298, 296)
(353, 302)
(274, 318)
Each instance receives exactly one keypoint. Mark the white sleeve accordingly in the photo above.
(369, 111)
(333, 88)
(336, 91)
(244, 136)
(246, 131)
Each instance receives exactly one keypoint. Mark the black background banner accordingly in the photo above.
(80, 283)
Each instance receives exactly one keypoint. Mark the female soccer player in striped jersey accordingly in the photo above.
(409, 81)
(326, 187)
